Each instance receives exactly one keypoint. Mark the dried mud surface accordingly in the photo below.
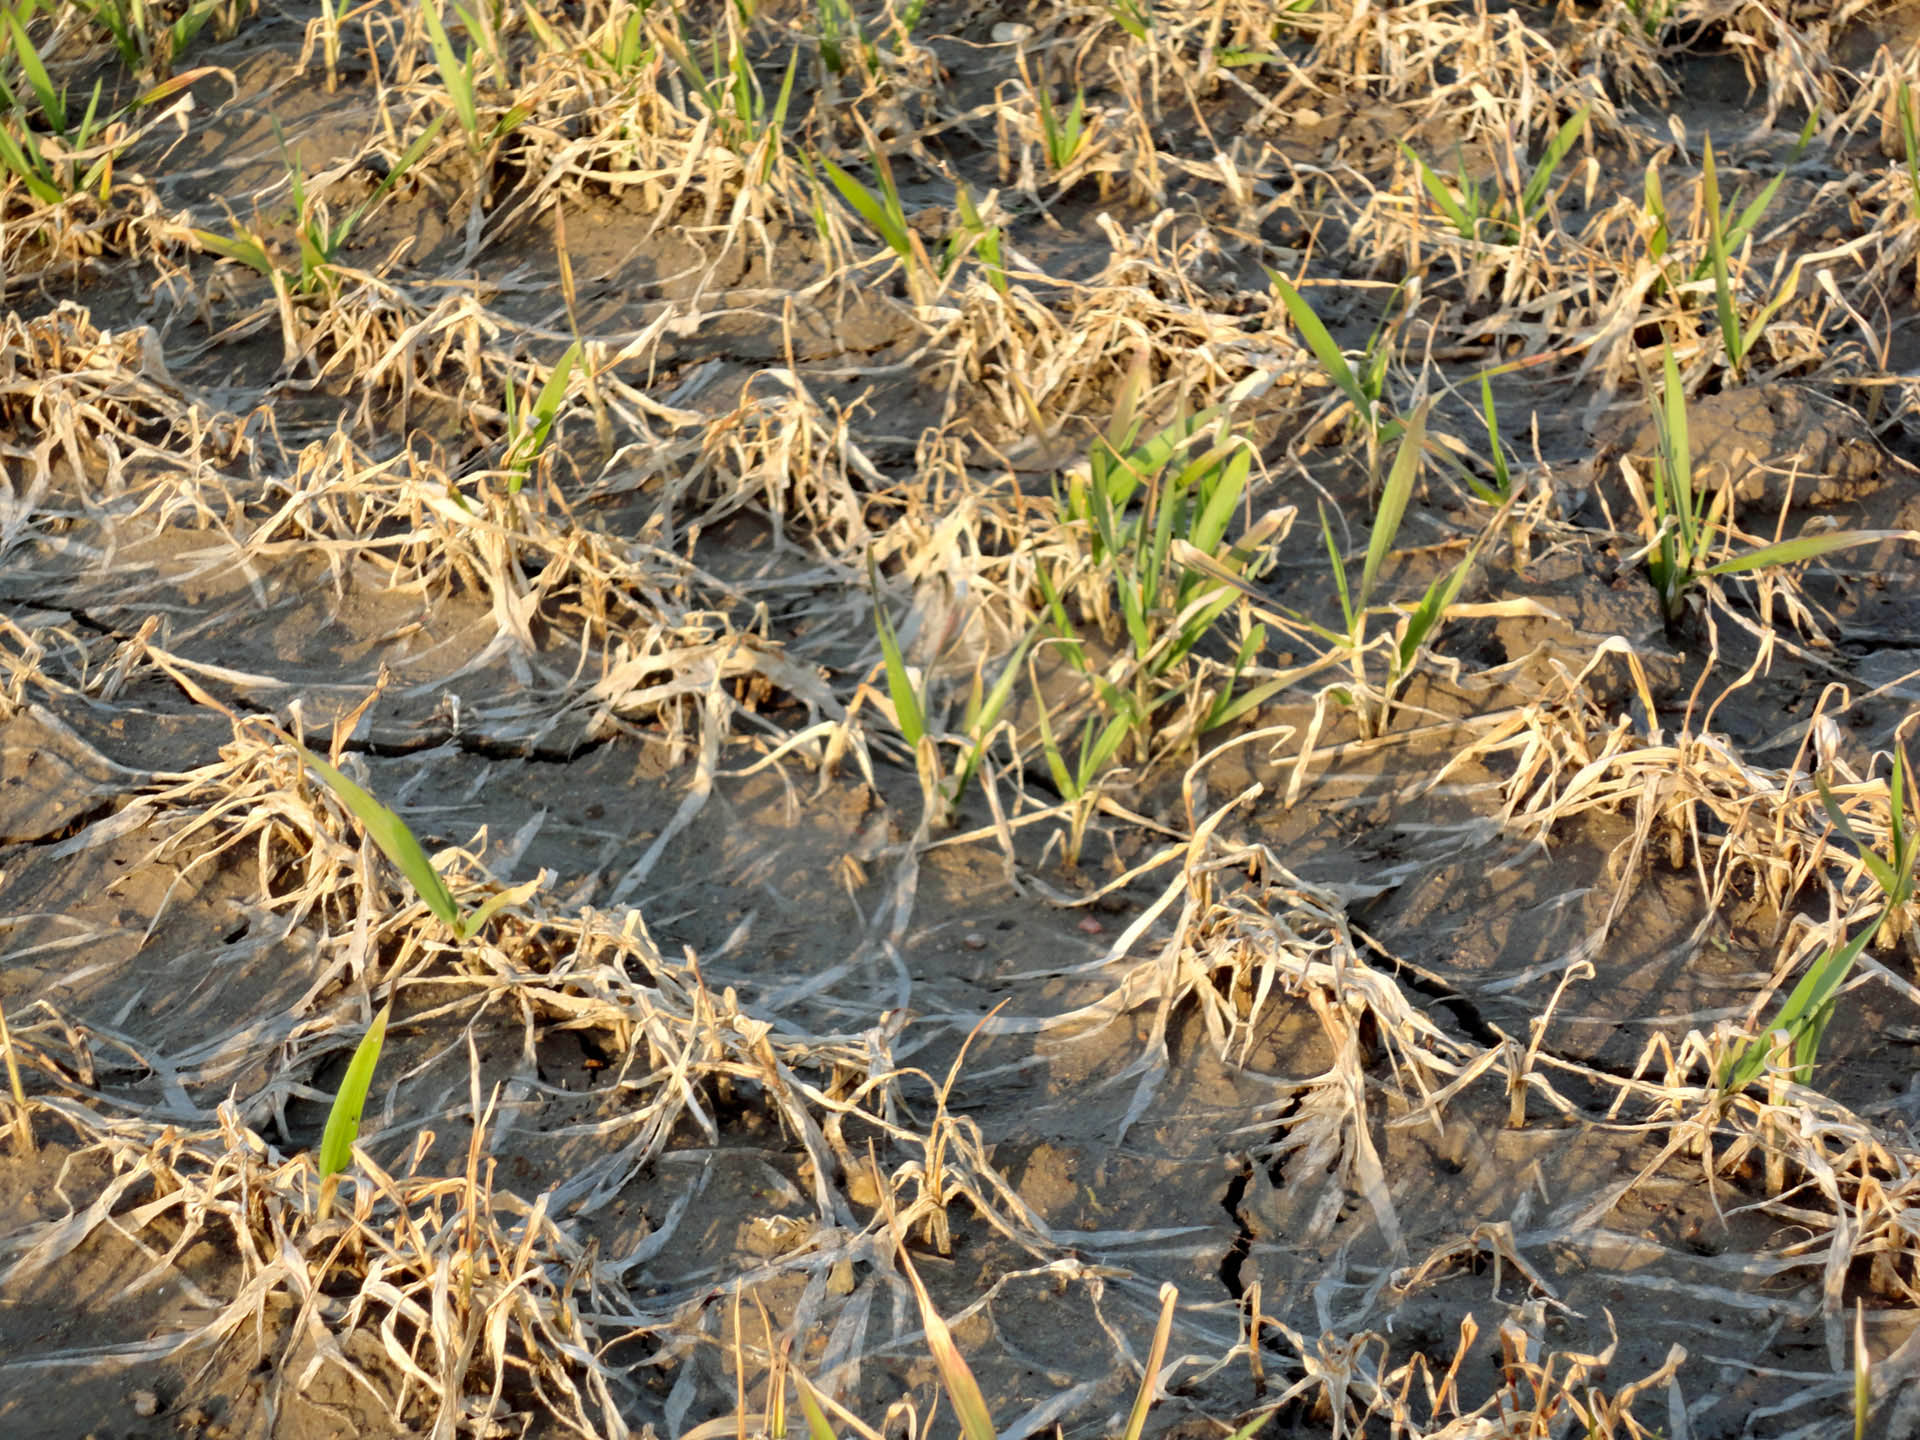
(1376, 1046)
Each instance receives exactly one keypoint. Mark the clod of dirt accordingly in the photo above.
(1776, 444)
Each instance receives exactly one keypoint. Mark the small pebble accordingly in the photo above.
(145, 1404)
(1091, 926)
(1007, 33)
(975, 940)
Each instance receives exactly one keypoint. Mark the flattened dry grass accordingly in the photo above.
(690, 563)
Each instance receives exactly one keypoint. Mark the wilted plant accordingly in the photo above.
(963, 1390)
(1805, 1015)
(1687, 527)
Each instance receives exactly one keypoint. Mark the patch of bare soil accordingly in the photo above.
(1064, 652)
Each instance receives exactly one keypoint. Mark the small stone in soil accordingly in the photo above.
(975, 940)
(1091, 926)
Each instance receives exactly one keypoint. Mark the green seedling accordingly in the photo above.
(388, 831)
(1154, 513)
(839, 33)
(1734, 222)
(530, 419)
(1134, 17)
(1502, 488)
(81, 159)
(1804, 1017)
(147, 41)
(1101, 736)
(1061, 133)
(1910, 143)
(1688, 527)
(1477, 211)
(940, 791)
(1738, 338)
(349, 1103)
(459, 74)
(885, 216)
(1417, 627)
(321, 238)
(1651, 15)
(1364, 389)
(727, 88)
(620, 49)
(974, 236)
(773, 131)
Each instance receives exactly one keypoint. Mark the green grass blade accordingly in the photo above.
(1502, 476)
(343, 1120)
(1805, 547)
(240, 246)
(1563, 140)
(393, 837)
(542, 411)
(1800, 1015)
(1143, 1397)
(864, 203)
(1442, 194)
(1106, 744)
(1883, 873)
(981, 721)
(52, 102)
(1393, 500)
(1320, 342)
(30, 174)
(818, 1427)
(455, 74)
(906, 703)
(408, 159)
(1223, 499)
(1717, 260)
(1339, 570)
(1676, 451)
